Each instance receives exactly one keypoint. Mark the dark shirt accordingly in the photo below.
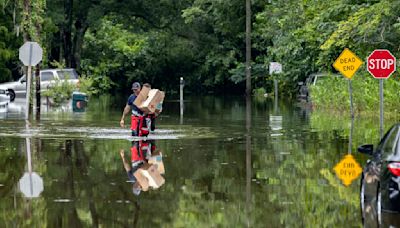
(135, 110)
(131, 177)
(130, 173)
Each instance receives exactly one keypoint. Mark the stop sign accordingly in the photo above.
(381, 64)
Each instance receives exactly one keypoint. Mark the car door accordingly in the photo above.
(46, 80)
(20, 87)
(372, 172)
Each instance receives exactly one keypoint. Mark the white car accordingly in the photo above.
(4, 95)
(4, 99)
(48, 78)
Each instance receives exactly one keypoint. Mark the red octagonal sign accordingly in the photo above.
(381, 64)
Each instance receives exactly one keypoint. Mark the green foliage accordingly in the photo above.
(259, 92)
(117, 42)
(120, 49)
(60, 91)
(8, 43)
(333, 94)
(87, 85)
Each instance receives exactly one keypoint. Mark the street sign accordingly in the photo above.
(347, 63)
(30, 53)
(31, 185)
(381, 64)
(347, 170)
(275, 67)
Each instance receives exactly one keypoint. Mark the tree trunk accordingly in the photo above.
(248, 47)
(67, 30)
(80, 30)
(26, 19)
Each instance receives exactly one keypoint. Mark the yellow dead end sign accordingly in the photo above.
(347, 63)
(347, 170)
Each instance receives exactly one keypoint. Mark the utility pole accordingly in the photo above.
(248, 47)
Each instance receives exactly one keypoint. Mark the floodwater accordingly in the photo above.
(227, 164)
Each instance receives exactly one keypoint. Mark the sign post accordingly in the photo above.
(348, 169)
(275, 68)
(30, 54)
(30, 184)
(181, 85)
(381, 64)
(347, 64)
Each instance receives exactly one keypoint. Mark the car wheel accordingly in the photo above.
(379, 206)
(362, 198)
(12, 95)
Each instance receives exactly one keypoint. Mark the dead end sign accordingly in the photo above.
(347, 63)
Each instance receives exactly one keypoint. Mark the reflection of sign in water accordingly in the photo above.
(347, 63)
(347, 170)
(275, 122)
(31, 185)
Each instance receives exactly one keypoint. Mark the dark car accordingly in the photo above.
(380, 181)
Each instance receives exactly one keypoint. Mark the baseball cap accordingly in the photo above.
(136, 190)
(136, 85)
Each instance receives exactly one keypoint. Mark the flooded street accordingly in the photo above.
(277, 172)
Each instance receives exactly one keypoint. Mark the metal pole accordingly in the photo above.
(29, 158)
(248, 161)
(248, 47)
(28, 91)
(351, 99)
(276, 96)
(181, 85)
(28, 83)
(381, 107)
(28, 148)
(351, 135)
(37, 79)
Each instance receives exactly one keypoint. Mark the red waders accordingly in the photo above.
(140, 151)
(140, 125)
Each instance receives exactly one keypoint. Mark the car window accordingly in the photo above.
(389, 146)
(46, 76)
(67, 74)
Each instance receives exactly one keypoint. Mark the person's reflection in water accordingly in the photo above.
(140, 153)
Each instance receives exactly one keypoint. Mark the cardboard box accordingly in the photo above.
(144, 93)
(153, 176)
(142, 180)
(156, 159)
(159, 105)
(155, 97)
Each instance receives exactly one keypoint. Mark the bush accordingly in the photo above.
(60, 92)
(333, 94)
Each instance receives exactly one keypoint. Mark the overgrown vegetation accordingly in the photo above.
(333, 94)
(117, 42)
(60, 91)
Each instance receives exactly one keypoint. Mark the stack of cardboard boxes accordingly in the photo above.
(150, 100)
(149, 175)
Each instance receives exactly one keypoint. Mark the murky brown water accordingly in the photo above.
(276, 172)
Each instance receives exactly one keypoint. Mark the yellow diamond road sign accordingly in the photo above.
(347, 63)
(347, 170)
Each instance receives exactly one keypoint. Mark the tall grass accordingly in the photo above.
(333, 95)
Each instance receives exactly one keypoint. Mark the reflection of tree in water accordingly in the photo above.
(81, 185)
(296, 170)
(15, 210)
